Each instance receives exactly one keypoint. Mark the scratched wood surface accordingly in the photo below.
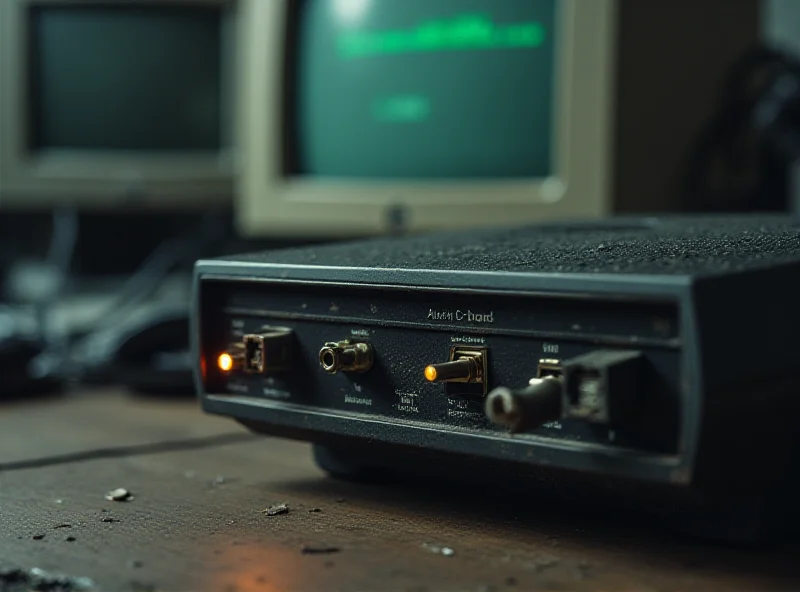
(196, 521)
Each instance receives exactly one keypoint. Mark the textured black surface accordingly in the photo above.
(670, 245)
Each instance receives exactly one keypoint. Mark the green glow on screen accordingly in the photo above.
(462, 32)
(402, 109)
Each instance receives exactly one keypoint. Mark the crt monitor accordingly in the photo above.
(369, 116)
(110, 102)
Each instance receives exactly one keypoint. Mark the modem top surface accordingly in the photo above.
(655, 245)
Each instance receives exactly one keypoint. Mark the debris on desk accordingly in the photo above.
(62, 526)
(70, 539)
(439, 550)
(319, 549)
(109, 519)
(119, 495)
(40, 580)
(314, 510)
(277, 509)
(37, 537)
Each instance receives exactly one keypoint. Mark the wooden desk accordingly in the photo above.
(196, 523)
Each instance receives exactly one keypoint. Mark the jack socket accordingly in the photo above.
(346, 356)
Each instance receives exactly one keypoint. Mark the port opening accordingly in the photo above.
(549, 367)
(346, 356)
(266, 352)
(584, 391)
(328, 359)
(253, 354)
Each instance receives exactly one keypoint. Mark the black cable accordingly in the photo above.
(58, 359)
(140, 287)
(63, 239)
(58, 261)
(145, 281)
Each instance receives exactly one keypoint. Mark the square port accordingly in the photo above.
(587, 396)
(269, 351)
(601, 386)
(549, 367)
(253, 354)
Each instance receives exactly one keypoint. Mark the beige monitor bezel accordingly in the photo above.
(97, 179)
(270, 204)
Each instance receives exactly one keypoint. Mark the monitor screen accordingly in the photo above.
(423, 89)
(127, 78)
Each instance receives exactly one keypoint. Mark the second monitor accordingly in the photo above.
(105, 102)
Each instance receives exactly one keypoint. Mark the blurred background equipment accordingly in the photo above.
(117, 129)
(743, 158)
(137, 136)
(117, 103)
(781, 21)
(367, 116)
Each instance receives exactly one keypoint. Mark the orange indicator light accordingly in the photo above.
(225, 362)
(430, 373)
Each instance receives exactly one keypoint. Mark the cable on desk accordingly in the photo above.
(145, 281)
(140, 287)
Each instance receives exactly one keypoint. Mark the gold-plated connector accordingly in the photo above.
(346, 356)
(466, 365)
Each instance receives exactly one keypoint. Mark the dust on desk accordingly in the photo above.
(119, 495)
(439, 549)
(277, 509)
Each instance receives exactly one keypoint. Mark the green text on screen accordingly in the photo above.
(425, 89)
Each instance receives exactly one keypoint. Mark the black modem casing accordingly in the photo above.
(712, 305)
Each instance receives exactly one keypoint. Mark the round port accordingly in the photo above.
(327, 359)
(345, 356)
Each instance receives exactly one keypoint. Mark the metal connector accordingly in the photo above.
(346, 356)
(268, 351)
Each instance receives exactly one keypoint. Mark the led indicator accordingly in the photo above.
(225, 362)
(430, 373)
